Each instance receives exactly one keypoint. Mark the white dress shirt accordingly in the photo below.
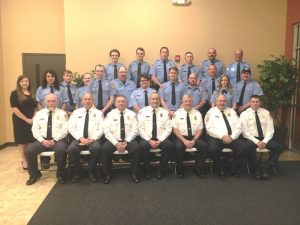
(216, 126)
(249, 124)
(179, 121)
(77, 120)
(163, 123)
(112, 126)
(59, 124)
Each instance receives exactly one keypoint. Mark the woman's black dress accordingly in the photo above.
(22, 130)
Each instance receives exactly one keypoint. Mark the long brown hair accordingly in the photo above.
(21, 95)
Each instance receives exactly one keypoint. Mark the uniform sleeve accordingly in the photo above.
(142, 126)
(245, 128)
(72, 125)
(133, 99)
(133, 131)
(64, 129)
(257, 90)
(36, 130)
(237, 126)
(14, 99)
(211, 129)
(167, 130)
(107, 130)
(270, 129)
(113, 90)
(39, 95)
(64, 95)
(153, 70)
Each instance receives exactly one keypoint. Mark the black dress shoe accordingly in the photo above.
(93, 177)
(46, 166)
(107, 179)
(200, 172)
(234, 173)
(180, 173)
(160, 174)
(135, 178)
(75, 178)
(34, 178)
(221, 174)
(61, 180)
(264, 173)
(256, 174)
(148, 175)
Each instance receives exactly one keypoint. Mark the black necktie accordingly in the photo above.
(242, 94)
(173, 94)
(189, 127)
(146, 98)
(138, 78)
(86, 125)
(49, 126)
(224, 92)
(238, 73)
(122, 127)
(189, 72)
(227, 123)
(259, 129)
(165, 72)
(70, 95)
(100, 98)
(213, 85)
(51, 89)
(212, 62)
(115, 72)
(154, 127)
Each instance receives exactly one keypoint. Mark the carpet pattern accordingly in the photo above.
(172, 201)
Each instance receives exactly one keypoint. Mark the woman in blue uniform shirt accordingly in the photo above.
(50, 84)
(224, 87)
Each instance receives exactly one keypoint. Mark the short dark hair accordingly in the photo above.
(114, 50)
(145, 76)
(255, 96)
(188, 53)
(56, 81)
(139, 48)
(164, 48)
(174, 68)
(99, 65)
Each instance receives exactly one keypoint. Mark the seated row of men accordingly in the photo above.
(121, 128)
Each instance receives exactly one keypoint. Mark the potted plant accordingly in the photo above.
(279, 81)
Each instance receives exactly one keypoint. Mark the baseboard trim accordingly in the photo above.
(7, 144)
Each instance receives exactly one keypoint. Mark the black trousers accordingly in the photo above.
(202, 149)
(275, 150)
(107, 155)
(33, 149)
(241, 148)
(74, 150)
(166, 149)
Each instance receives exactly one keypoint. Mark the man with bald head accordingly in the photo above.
(86, 127)
(212, 60)
(234, 69)
(49, 128)
(224, 128)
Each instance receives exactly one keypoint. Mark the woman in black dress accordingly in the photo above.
(23, 106)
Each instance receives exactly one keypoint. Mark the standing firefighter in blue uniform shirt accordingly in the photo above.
(70, 90)
(112, 68)
(187, 69)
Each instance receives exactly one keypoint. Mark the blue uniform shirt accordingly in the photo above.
(106, 90)
(165, 92)
(73, 89)
(138, 97)
(110, 70)
(183, 72)
(198, 93)
(80, 92)
(252, 88)
(203, 69)
(60, 94)
(231, 71)
(207, 84)
(228, 94)
(133, 69)
(157, 69)
(119, 88)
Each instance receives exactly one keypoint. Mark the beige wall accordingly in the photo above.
(2, 111)
(93, 29)
(87, 30)
(28, 26)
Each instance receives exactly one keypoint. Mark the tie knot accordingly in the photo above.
(115, 66)
(121, 113)
(68, 85)
(164, 62)
(154, 111)
(99, 81)
(245, 83)
(145, 91)
(87, 111)
(222, 111)
(256, 112)
(140, 64)
(50, 112)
